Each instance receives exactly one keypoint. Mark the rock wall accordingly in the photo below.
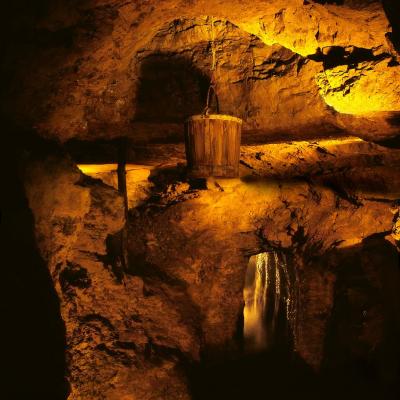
(211, 263)
(261, 84)
(32, 335)
(112, 324)
(102, 69)
(134, 331)
(82, 78)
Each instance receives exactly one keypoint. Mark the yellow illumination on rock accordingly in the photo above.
(366, 88)
(137, 182)
(255, 297)
(92, 169)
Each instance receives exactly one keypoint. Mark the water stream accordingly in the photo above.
(268, 304)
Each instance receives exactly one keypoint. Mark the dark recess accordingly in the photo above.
(337, 2)
(366, 296)
(336, 55)
(32, 336)
(170, 90)
(392, 10)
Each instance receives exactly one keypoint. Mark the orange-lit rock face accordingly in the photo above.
(89, 87)
(137, 182)
(261, 84)
(128, 329)
(362, 88)
(294, 69)
(106, 314)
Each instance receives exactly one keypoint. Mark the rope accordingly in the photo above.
(212, 42)
(211, 89)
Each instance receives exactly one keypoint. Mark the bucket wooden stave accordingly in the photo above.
(213, 145)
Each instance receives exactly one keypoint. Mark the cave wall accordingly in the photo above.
(72, 68)
(114, 325)
(73, 71)
(132, 330)
(364, 325)
(207, 255)
(261, 84)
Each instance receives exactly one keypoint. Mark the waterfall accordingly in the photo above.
(268, 304)
(255, 299)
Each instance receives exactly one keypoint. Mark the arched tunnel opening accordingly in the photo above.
(171, 89)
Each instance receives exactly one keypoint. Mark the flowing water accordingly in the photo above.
(268, 304)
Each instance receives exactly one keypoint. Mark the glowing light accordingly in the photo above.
(255, 297)
(139, 172)
(267, 295)
(363, 89)
(90, 169)
(137, 183)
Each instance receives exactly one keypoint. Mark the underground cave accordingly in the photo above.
(201, 199)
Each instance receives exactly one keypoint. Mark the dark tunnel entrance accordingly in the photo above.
(171, 89)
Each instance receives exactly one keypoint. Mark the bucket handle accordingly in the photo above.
(208, 108)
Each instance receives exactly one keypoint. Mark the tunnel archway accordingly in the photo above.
(171, 89)
(265, 361)
(259, 83)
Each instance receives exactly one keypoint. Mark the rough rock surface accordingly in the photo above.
(358, 88)
(112, 324)
(82, 79)
(261, 84)
(137, 179)
(299, 68)
(131, 329)
(221, 225)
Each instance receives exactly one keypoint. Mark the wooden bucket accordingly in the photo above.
(213, 145)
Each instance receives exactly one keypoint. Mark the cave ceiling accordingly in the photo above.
(320, 66)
